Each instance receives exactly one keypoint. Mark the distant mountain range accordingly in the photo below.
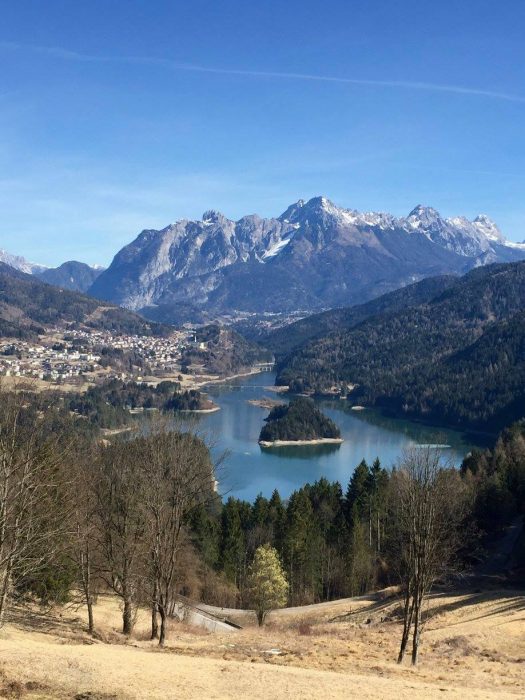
(456, 356)
(20, 263)
(314, 256)
(73, 275)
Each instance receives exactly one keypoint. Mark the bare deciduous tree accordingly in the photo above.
(85, 540)
(31, 487)
(429, 503)
(119, 509)
(179, 475)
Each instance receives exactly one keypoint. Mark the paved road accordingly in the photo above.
(335, 606)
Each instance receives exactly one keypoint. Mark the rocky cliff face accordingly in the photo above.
(315, 255)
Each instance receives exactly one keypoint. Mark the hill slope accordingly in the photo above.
(28, 305)
(459, 358)
(284, 339)
(223, 351)
(472, 648)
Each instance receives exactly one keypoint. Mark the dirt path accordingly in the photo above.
(334, 607)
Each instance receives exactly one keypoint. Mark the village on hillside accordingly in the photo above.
(79, 356)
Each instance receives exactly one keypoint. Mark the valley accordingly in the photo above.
(278, 433)
(250, 470)
(274, 450)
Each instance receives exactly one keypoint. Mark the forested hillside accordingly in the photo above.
(283, 340)
(459, 358)
(108, 405)
(224, 352)
(27, 305)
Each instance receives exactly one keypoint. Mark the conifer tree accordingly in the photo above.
(233, 543)
(357, 494)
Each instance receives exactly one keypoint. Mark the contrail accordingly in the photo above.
(65, 54)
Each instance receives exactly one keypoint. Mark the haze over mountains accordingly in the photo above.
(315, 255)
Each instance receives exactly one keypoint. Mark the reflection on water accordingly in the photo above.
(302, 452)
(250, 469)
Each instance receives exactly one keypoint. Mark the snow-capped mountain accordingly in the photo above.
(468, 238)
(315, 255)
(20, 263)
(73, 275)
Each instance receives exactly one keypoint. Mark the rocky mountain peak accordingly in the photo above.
(20, 263)
(316, 210)
(212, 216)
(315, 255)
(292, 212)
(424, 216)
(488, 227)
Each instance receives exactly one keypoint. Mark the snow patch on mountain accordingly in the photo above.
(276, 248)
(20, 263)
(315, 254)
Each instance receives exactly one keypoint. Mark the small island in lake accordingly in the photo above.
(298, 423)
(264, 403)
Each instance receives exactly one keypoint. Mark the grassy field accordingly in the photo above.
(473, 647)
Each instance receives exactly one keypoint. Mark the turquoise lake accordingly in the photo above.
(250, 469)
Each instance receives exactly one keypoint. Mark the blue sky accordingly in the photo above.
(119, 115)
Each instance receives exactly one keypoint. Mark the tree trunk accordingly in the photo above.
(91, 621)
(407, 624)
(127, 615)
(3, 596)
(5, 586)
(85, 570)
(154, 610)
(417, 633)
(154, 621)
(260, 617)
(162, 636)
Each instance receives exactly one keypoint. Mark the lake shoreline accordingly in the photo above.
(252, 468)
(213, 409)
(221, 380)
(296, 443)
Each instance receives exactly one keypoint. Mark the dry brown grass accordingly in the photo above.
(473, 647)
